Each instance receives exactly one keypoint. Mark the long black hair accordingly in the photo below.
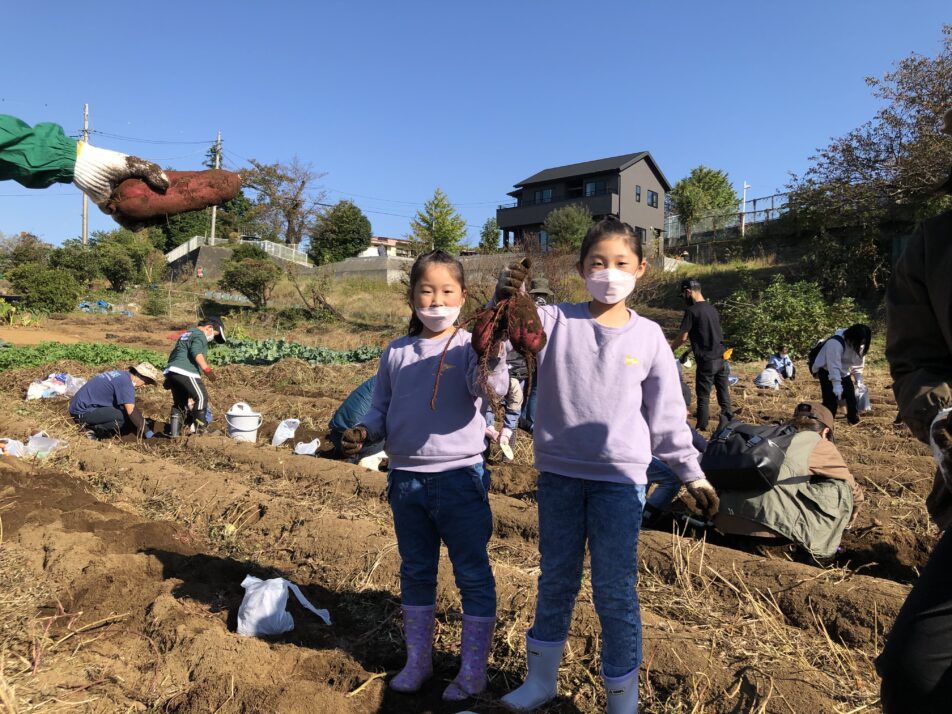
(858, 337)
(416, 272)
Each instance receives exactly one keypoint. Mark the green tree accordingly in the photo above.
(21, 249)
(246, 251)
(78, 259)
(705, 192)
(253, 278)
(567, 226)
(438, 225)
(489, 236)
(342, 231)
(45, 289)
(116, 265)
(888, 166)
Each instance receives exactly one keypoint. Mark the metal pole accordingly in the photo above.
(217, 164)
(85, 197)
(743, 210)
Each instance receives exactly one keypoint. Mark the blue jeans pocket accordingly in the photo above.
(481, 482)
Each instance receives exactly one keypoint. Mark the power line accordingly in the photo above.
(110, 135)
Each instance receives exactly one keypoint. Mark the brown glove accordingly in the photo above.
(512, 278)
(705, 497)
(352, 440)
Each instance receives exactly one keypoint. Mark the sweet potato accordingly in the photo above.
(523, 325)
(189, 191)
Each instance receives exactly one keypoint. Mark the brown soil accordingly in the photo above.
(123, 563)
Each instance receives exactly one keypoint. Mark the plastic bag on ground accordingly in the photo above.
(372, 462)
(263, 609)
(285, 431)
(73, 385)
(41, 445)
(307, 448)
(53, 386)
(12, 447)
(862, 399)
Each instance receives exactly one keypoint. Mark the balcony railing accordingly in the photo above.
(558, 199)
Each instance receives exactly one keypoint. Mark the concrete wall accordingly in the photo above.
(384, 267)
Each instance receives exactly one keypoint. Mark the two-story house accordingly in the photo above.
(630, 187)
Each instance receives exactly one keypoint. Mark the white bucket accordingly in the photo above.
(243, 423)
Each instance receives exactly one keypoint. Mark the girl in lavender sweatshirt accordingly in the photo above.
(609, 397)
(437, 487)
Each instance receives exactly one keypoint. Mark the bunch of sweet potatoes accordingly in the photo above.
(134, 202)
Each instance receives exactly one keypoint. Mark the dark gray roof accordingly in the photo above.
(614, 163)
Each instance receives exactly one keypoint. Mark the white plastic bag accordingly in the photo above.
(12, 447)
(73, 385)
(372, 462)
(41, 445)
(263, 609)
(285, 431)
(307, 448)
(862, 399)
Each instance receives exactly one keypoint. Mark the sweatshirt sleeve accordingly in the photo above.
(919, 358)
(834, 360)
(375, 420)
(35, 157)
(664, 410)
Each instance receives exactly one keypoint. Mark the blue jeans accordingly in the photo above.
(608, 516)
(452, 507)
(667, 484)
(529, 406)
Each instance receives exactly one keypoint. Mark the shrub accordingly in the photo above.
(757, 319)
(45, 289)
(116, 265)
(156, 303)
(247, 251)
(78, 259)
(567, 226)
(253, 278)
(847, 265)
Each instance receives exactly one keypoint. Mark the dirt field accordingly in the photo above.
(122, 565)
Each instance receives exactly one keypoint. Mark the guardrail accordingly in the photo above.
(282, 252)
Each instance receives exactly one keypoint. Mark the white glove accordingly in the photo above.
(838, 390)
(705, 497)
(99, 171)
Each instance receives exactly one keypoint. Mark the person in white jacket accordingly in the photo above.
(842, 356)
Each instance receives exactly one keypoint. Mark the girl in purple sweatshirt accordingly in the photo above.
(609, 397)
(437, 486)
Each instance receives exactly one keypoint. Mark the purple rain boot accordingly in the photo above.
(418, 634)
(476, 642)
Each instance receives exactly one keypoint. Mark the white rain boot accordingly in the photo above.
(622, 693)
(542, 660)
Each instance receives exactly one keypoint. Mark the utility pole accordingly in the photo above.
(85, 197)
(743, 210)
(217, 165)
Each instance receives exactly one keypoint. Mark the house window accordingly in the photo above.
(652, 198)
(640, 232)
(594, 188)
(543, 195)
(637, 193)
(543, 241)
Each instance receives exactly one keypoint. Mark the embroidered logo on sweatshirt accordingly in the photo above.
(631, 360)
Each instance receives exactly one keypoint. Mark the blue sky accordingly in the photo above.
(393, 99)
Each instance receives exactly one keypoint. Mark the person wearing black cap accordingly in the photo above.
(916, 663)
(702, 325)
(188, 364)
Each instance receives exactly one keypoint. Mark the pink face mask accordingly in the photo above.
(438, 318)
(610, 286)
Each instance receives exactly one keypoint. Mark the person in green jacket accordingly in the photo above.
(187, 365)
(41, 155)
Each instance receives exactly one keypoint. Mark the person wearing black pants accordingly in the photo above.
(702, 325)
(106, 404)
(184, 388)
(916, 662)
(830, 399)
(188, 368)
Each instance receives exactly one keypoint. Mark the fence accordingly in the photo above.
(282, 252)
(756, 210)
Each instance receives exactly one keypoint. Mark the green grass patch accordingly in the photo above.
(86, 352)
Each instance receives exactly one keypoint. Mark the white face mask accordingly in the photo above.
(438, 318)
(610, 286)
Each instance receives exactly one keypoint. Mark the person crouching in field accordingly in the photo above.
(348, 415)
(814, 500)
(106, 404)
(609, 395)
(187, 365)
(437, 486)
(841, 356)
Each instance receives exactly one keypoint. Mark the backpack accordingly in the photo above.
(815, 352)
(745, 457)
